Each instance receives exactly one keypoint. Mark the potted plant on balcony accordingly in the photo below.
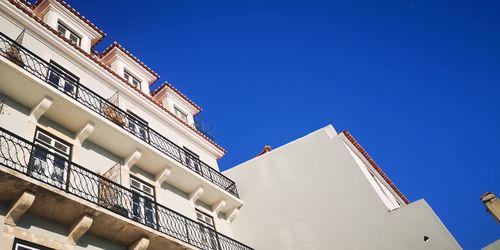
(13, 54)
(114, 115)
(111, 111)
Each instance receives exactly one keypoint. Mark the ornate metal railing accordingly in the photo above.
(64, 82)
(49, 167)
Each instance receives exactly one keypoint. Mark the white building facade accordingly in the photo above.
(90, 158)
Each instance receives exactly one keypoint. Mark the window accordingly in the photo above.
(26, 245)
(143, 197)
(208, 236)
(207, 220)
(180, 114)
(131, 79)
(61, 78)
(192, 160)
(69, 34)
(137, 125)
(50, 159)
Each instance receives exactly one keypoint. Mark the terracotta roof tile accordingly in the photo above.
(266, 149)
(375, 165)
(85, 20)
(166, 84)
(21, 7)
(117, 45)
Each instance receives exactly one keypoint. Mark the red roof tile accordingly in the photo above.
(170, 86)
(76, 13)
(266, 149)
(117, 45)
(94, 58)
(375, 165)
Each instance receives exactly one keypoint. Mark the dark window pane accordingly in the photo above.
(54, 78)
(61, 29)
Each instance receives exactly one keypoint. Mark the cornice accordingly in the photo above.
(116, 45)
(161, 89)
(74, 12)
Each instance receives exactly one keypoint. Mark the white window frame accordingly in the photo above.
(181, 114)
(192, 160)
(27, 245)
(209, 237)
(132, 79)
(137, 125)
(139, 209)
(202, 217)
(67, 32)
(59, 76)
(45, 154)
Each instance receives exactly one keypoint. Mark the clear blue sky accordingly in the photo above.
(416, 82)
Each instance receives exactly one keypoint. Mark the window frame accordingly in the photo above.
(47, 162)
(141, 191)
(193, 159)
(68, 32)
(131, 78)
(178, 111)
(28, 245)
(145, 199)
(64, 76)
(51, 147)
(138, 124)
(203, 222)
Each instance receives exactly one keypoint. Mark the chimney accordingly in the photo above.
(492, 204)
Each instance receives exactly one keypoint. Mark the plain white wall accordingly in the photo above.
(311, 194)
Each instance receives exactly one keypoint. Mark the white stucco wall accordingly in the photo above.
(96, 158)
(13, 116)
(312, 194)
(493, 246)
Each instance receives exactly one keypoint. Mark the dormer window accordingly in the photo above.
(69, 34)
(131, 79)
(181, 114)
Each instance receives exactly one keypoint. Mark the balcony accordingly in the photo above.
(36, 164)
(66, 85)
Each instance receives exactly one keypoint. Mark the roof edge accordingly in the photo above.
(375, 165)
(134, 58)
(170, 86)
(76, 13)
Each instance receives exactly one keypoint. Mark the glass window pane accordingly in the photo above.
(61, 29)
(61, 147)
(74, 38)
(44, 138)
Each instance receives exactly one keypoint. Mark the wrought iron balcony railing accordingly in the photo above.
(37, 162)
(69, 86)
